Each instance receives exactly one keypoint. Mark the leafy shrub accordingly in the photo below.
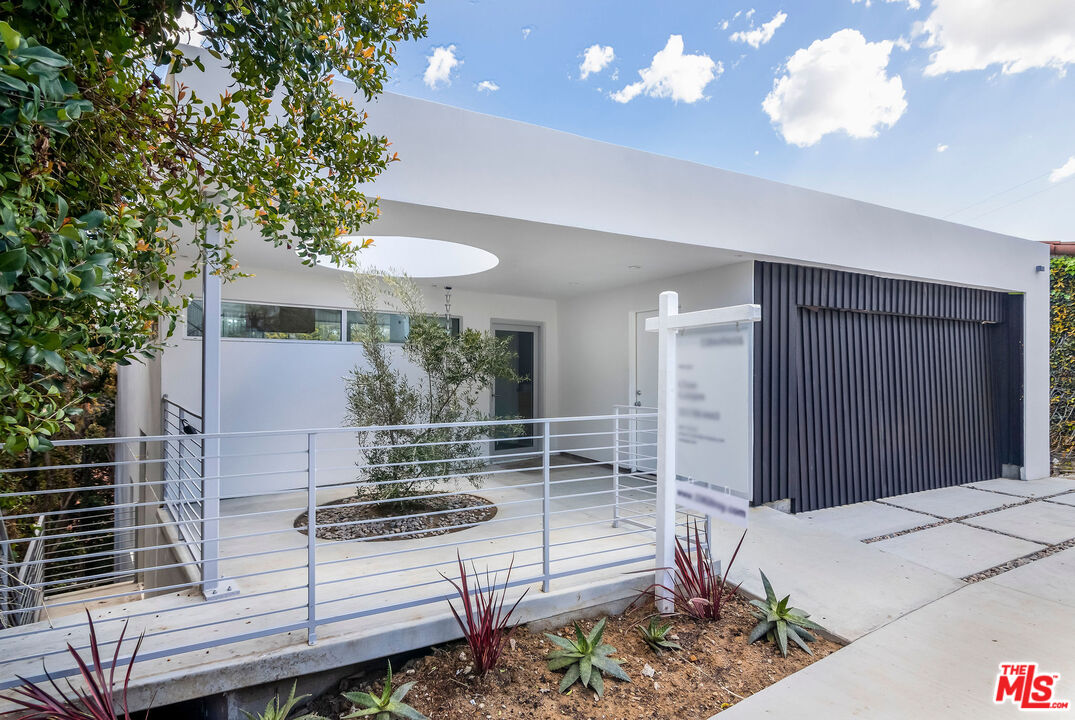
(486, 625)
(275, 711)
(585, 658)
(778, 622)
(390, 704)
(1062, 359)
(655, 635)
(698, 591)
(97, 701)
(452, 371)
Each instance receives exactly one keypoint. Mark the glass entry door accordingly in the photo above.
(518, 399)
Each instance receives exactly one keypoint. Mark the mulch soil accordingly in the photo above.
(715, 670)
(337, 521)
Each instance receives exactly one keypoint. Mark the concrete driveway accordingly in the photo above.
(995, 562)
(970, 532)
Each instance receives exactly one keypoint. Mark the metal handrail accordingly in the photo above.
(552, 513)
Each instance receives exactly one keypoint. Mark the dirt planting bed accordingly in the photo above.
(714, 670)
(346, 520)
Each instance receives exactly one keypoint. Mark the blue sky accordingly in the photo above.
(861, 95)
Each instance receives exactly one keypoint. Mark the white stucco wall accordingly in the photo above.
(285, 385)
(597, 343)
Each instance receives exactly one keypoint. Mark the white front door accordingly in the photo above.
(645, 391)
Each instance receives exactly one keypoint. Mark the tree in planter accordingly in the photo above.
(104, 164)
(448, 373)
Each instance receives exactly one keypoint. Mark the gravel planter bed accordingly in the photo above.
(1019, 561)
(375, 521)
(715, 670)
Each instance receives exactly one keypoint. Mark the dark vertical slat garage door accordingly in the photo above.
(867, 387)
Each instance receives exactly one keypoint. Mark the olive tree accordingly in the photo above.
(436, 376)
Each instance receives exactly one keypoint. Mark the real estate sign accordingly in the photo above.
(704, 404)
(714, 430)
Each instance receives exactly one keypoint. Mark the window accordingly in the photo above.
(285, 322)
(394, 327)
(271, 322)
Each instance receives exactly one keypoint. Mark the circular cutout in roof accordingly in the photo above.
(419, 257)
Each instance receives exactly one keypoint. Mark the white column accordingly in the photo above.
(666, 449)
(211, 322)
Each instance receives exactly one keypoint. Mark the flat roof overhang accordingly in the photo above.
(535, 259)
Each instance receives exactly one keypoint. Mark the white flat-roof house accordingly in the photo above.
(895, 353)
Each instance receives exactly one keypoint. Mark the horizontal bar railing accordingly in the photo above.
(305, 538)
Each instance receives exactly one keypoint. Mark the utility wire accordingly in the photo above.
(1052, 186)
(994, 195)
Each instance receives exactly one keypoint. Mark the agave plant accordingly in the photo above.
(778, 622)
(486, 624)
(97, 700)
(389, 705)
(698, 590)
(656, 636)
(585, 658)
(275, 711)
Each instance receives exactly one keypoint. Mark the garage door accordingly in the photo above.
(868, 387)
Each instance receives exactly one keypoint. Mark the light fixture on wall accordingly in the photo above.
(448, 306)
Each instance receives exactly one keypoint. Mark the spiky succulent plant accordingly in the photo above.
(777, 622)
(656, 636)
(277, 711)
(389, 705)
(585, 658)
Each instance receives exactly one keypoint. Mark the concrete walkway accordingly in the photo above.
(940, 661)
(1007, 551)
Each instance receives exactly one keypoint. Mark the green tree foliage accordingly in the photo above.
(1062, 358)
(78, 466)
(446, 374)
(109, 162)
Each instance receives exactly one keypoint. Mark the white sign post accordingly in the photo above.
(704, 421)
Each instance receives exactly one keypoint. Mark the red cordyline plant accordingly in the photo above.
(96, 701)
(698, 591)
(486, 624)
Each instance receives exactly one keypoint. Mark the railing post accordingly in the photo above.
(211, 332)
(311, 538)
(616, 470)
(546, 503)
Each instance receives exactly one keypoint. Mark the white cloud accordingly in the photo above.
(941, 147)
(674, 75)
(912, 4)
(837, 84)
(441, 64)
(526, 32)
(1064, 171)
(1016, 34)
(757, 37)
(488, 86)
(595, 59)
